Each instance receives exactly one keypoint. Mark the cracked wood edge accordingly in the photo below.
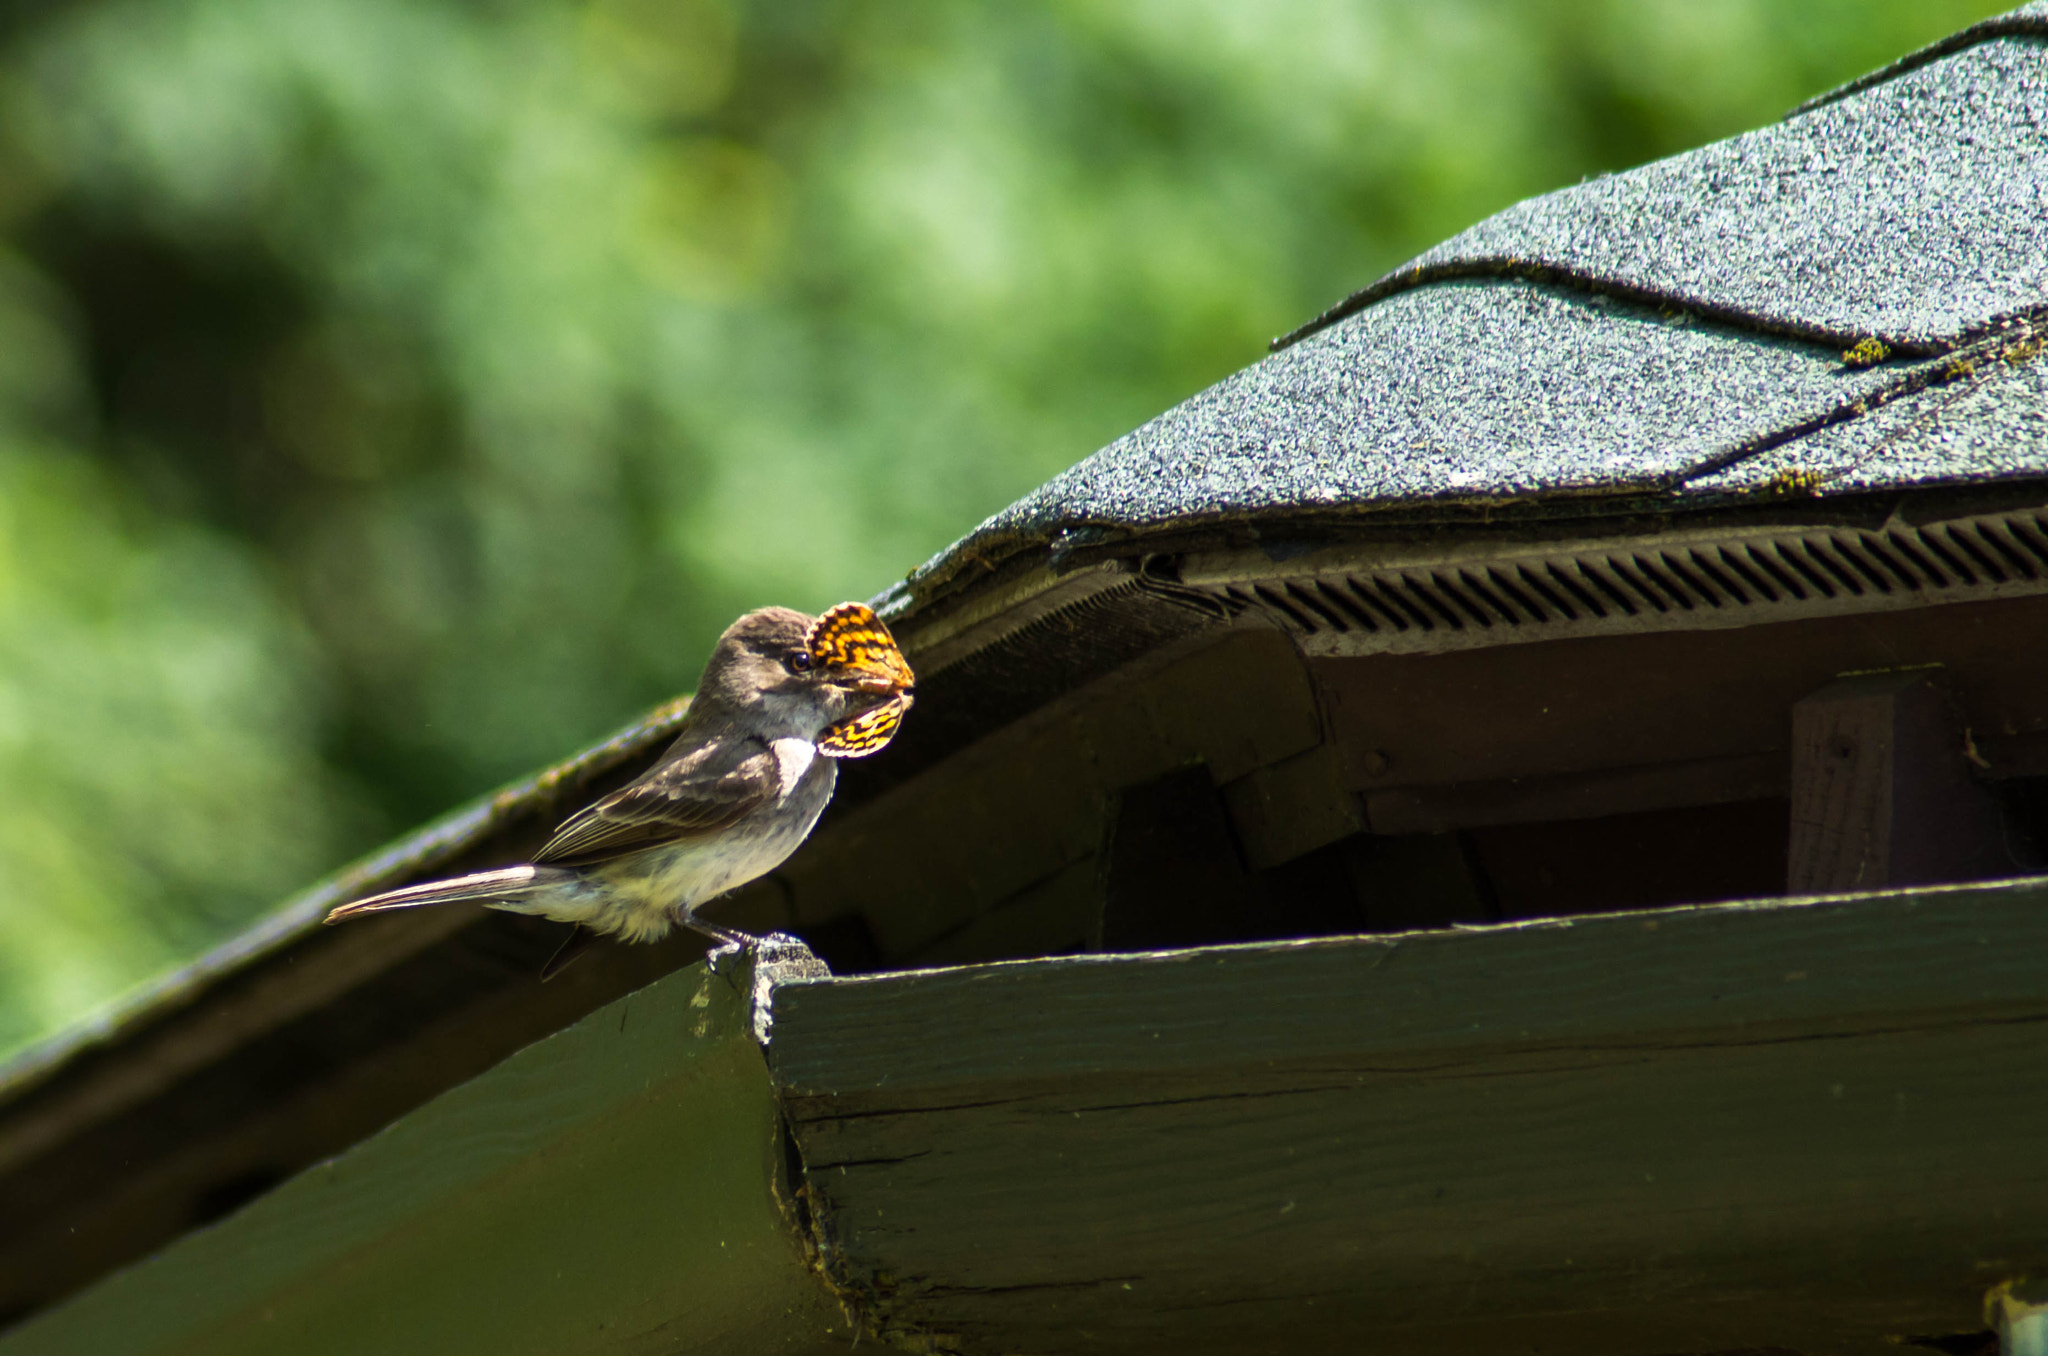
(1680, 1130)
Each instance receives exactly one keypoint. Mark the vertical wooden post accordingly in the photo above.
(1172, 874)
(1881, 793)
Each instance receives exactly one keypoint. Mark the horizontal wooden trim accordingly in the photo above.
(1810, 1125)
(1576, 795)
(613, 1188)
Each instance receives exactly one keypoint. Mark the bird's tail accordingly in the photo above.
(510, 884)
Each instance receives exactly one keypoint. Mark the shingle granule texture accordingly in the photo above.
(1992, 426)
(1668, 338)
(1465, 390)
(1911, 211)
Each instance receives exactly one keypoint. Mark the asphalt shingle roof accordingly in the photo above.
(1496, 388)
(1914, 210)
(1991, 426)
(1675, 331)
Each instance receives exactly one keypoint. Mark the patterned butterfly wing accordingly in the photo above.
(866, 733)
(851, 636)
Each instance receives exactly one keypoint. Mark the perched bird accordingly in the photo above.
(782, 699)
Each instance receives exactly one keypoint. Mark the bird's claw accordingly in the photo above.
(718, 956)
(777, 951)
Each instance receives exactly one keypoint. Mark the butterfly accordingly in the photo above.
(866, 733)
(851, 637)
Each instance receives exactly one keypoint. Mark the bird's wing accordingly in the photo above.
(672, 802)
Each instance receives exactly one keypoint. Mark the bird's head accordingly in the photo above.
(838, 678)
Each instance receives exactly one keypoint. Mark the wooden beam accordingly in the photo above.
(1293, 807)
(613, 1188)
(1577, 795)
(1882, 793)
(1554, 708)
(1803, 1126)
(1173, 875)
(1793, 1125)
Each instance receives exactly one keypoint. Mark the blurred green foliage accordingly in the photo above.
(395, 394)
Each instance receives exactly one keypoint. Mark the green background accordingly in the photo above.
(396, 394)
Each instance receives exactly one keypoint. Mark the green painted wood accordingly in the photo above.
(613, 1188)
(1805, 1125)
(1810, 1126)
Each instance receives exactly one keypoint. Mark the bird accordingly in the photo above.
(783, 698)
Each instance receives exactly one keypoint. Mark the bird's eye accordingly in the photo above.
(798, 661)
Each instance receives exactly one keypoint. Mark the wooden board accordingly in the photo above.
(1882, 792)
(1804, 1125)
(613, 1188)
(1810, 1126)
(1707, 699)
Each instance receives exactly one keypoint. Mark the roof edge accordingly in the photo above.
(2029, 20)
(1075, 545)
(441, 841)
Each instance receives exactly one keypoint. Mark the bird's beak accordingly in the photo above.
(852, 646)
(871, 682)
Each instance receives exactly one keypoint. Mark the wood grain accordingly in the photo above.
(610, 1189)
(1807, 1125)
(1881, 792)
(1559, 707)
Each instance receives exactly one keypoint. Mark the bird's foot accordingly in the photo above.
(725, 953)
(730, 943)
(776, 950)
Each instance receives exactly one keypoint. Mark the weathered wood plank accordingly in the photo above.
(1577, 795)
(1559, 707)
(1293, 807)
(610, 1189)
(1806, 1125)
(1881, 794)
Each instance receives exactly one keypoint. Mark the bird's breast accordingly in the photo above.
(794, 759)
(648, 890)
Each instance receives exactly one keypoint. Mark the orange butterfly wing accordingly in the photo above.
(851, 636)
(869, 732)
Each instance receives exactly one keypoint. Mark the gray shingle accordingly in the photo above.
(1990, 426)
(1463, 390)
(2028, 18)
(1673, 333)
(1912, 210)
